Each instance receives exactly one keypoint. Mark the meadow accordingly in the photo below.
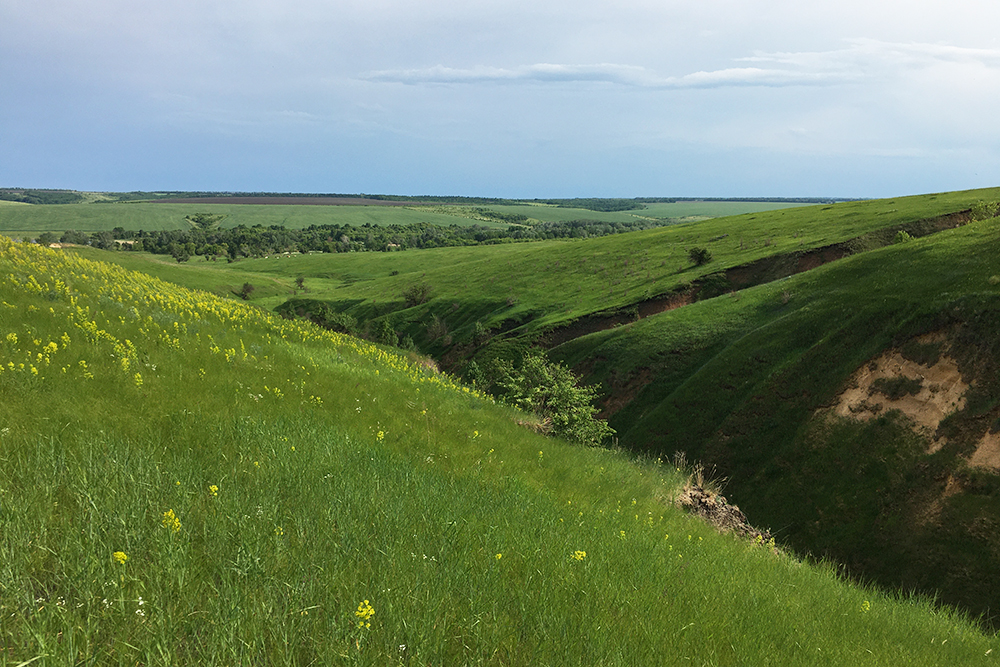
(187, 479)
(533, 288)
(18, 219)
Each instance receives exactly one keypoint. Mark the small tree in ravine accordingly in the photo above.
(246, 291)
(550, 390)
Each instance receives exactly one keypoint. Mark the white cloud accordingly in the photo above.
(860, 59)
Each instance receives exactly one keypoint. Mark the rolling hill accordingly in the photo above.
(186, 479)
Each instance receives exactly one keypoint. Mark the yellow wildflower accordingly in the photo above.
(364, 614)
(171, 522)
(120, 557)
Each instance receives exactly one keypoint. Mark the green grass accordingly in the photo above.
(21, 219)
(742, 382)
(535, 287)
(674, 210)
(15, 220)
(734, 381)
(396, 487)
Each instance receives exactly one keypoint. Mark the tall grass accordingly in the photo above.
(215, 486)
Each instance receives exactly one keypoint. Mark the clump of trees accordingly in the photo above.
(416, 294)
(549, 390)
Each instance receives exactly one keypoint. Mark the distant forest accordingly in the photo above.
(258, 241)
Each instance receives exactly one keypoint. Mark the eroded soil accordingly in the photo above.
(942, 390)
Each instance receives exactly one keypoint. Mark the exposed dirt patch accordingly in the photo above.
(714, 509)
(593, 323)
(987, 454)
(931, 513)
(941, 390)
(816, 258)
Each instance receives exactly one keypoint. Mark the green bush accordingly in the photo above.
(414, 295)
(700, 256)
(983, 210)
(551, 391)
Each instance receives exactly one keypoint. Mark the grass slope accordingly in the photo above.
(188, 480)
(744, 382)
(529, 289)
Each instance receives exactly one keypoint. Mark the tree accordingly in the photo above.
(550, 390)
(247, 291)
(45, 238)
(700, 256)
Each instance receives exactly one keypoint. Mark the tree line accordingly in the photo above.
(238, 242)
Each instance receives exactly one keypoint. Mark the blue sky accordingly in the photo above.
(520, 98)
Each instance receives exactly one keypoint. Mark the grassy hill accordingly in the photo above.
(187, 480)
(753, 381)
(898, 483)
(530, 290)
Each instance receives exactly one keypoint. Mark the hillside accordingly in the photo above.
(851, 408)
(187, 480)
(747, 382)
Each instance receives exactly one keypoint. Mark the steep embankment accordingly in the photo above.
(853, 408)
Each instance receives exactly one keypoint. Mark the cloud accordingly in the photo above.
(625, 75)
(606, 73)
(870, 54)
(860, 59)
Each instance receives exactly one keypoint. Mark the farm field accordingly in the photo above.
(190, 480)
(675, 210)
(17, 219)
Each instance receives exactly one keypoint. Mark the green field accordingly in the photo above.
(546, 284)
(97, 217)
(189, 480)
(17, 219)
(673, 210)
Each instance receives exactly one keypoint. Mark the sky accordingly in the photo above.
(512, 98)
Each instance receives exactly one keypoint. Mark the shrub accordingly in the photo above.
(550, 390)
(414, 295)
(983, 210)
(328, 318)
(246, 291)
(700, 256)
